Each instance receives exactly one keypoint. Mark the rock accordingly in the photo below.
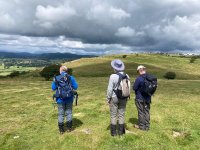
(16, 137)
(130, 132)
(87, 131)
(177, 134)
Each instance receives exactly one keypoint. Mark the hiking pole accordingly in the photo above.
(54, 103)
(76, 99)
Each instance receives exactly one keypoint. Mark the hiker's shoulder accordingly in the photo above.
(127, 75)
(139, 78)
(57, 77)
(114, 75)
(72, 77)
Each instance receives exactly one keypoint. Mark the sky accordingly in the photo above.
(100, 27)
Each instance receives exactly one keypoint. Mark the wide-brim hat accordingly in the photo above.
(118, 65)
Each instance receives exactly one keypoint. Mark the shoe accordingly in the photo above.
(113, 130)
(69, 126)
(121, 129)
(61, 128)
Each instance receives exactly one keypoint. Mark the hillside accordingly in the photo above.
(28, 114)
(156, 64)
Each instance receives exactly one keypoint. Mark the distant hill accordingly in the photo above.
(24, 55)
(156, 64)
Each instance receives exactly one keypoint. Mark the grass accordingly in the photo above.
(28, 119)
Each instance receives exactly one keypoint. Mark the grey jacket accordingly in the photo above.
(112, 85)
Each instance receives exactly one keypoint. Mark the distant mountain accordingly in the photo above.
(51, 56)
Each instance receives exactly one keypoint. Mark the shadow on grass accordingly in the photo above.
(133, 120)
(108, 128)
(76, 123)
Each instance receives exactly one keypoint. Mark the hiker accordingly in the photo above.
(143, 93)
(117, 94)
(64, 85)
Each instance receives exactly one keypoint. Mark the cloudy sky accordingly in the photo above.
(100, 26)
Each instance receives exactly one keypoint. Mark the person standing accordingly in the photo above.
(64, 85)
(142, 100)
(118, 92)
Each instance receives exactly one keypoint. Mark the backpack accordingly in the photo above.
(150, 84)
(123, 86)
(64, 88)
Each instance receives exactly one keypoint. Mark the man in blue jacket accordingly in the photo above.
(64, 104)
(142, 100)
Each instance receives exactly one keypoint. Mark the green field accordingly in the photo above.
(28, 120)
(7, 71)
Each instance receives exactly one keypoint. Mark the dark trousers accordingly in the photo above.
(143, 114)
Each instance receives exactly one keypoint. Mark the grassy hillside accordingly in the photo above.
(28, 120)
(156, 64)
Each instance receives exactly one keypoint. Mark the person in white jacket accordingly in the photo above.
(117, 105)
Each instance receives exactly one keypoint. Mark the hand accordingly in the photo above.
(108, 101)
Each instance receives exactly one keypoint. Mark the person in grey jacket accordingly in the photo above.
(117, 106)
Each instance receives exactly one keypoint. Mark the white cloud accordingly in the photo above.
(54, 14)
(105, 13)
(6, 21)
(118, 13)
(125, 32)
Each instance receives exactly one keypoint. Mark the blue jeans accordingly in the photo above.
(64, 110)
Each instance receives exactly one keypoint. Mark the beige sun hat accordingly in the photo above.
(140, 67)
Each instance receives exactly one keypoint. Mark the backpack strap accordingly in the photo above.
(121, 77)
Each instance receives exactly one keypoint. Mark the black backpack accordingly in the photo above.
(150, 84)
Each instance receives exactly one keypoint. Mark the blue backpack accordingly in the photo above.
(64, 88)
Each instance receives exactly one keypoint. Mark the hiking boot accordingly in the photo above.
(61, 128)
(69, 126)
(113, 130)
(121, 129)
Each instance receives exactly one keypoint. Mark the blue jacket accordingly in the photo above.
(74, 86)
(138, 85)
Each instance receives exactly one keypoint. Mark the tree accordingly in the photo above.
(170, 75)
(192, 59)
(70, 71)
(124, 56)
(50, 71)
(14, 74)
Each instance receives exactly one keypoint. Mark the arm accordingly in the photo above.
(53, 86)
(136, 84)
(74, 84)
(110, 89)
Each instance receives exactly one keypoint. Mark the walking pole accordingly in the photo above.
(76, 99)
(54, 103)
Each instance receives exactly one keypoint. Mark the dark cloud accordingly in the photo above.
(101, 27)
